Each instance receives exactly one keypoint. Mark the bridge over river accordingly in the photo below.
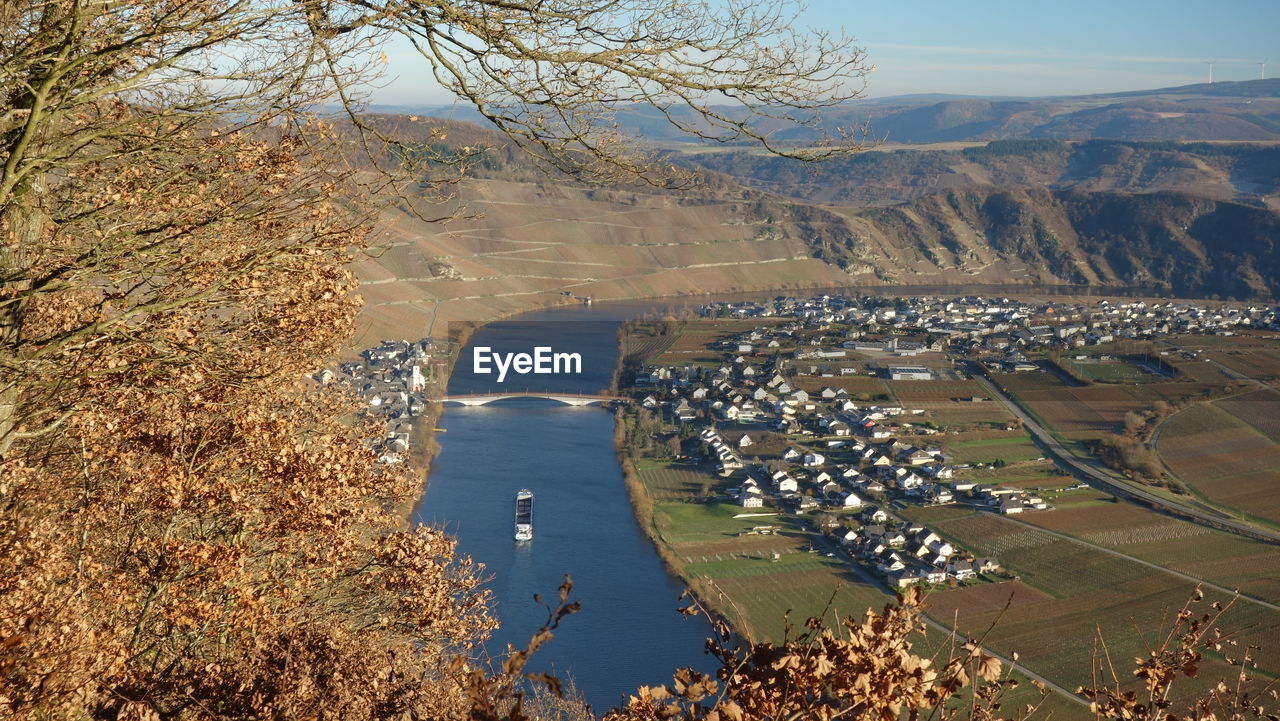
(572, 399)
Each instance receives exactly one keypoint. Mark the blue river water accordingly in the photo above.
(628, 632)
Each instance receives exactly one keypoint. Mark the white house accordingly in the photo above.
(849, 499)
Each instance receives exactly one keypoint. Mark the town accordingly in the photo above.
(393, 381)
(780, 432)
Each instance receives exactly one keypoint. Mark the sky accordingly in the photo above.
(1023, 47)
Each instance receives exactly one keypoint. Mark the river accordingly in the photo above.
(628, 632)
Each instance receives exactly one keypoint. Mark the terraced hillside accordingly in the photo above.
(1186, 219)
(534, 242)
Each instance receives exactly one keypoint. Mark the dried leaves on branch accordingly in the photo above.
(856, 669)
(190, 530)
(186, 528)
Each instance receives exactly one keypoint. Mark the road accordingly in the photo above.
(867, 577)
(1091, 472)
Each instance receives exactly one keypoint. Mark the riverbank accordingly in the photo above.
(642, 509)
(583, 528)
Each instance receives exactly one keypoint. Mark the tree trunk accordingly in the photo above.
(24, 221)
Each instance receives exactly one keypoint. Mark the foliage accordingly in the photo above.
(190, 530)
(1178, 655)
(863, 668)
(1129, 454)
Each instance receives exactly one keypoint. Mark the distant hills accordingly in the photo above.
(1247, 173)
(1239, 110)
(1174, 191)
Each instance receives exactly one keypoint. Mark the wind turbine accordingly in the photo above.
(1210, 64)
(1262, 70)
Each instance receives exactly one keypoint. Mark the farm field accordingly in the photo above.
(758, 594)
(855, 386)
(1028, 474)
(988, 413)
(1261, 363)
(1229, 461)
(694, 523)
(706, 539)
(941, 399)
(1260, 409)
(1217, 557)
(1202, 371)
(670, 481)
(801, 583)
(1009, 449)
(1175, 391)
(1034, 381)
(1256, 340)
(1055, 616)
(909, 391)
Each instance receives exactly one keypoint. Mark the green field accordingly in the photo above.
(691, 523)
(672, 481)
(1110, 371)
(763, 600)
(986, 450)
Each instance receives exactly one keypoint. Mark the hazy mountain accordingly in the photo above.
(1244, 172)
(1049, 204)
(1186, 245)
(1240, 110)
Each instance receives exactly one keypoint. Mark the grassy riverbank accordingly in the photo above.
(423, 444)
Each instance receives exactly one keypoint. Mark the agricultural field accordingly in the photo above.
(1082, 412)
(1176, 391)
(942, 400)
(721, 552)
(912, 391)
(1228, 461)
(1262, 363)
(1217, 557)
(1032, 381)
(1053, 402)
(763, 591)
(855, 386)
(682, 524)
(1256, 340)
(1053, 617)
(1010, 449)
(673, 481)
(647, 341)
(987, 413)
(1203, 371)
(1034, 475)
(1260, 409)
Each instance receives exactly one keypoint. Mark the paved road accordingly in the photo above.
(1090, 471)
(868, 577)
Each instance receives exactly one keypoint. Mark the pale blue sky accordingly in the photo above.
(1026, 47)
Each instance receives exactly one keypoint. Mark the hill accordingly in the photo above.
(1247, 173)
(1180, 244)
(1240, 110)
(1185, 218)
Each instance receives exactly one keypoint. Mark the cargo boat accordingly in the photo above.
(524, 515)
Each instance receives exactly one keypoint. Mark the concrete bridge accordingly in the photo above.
(572, 399)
